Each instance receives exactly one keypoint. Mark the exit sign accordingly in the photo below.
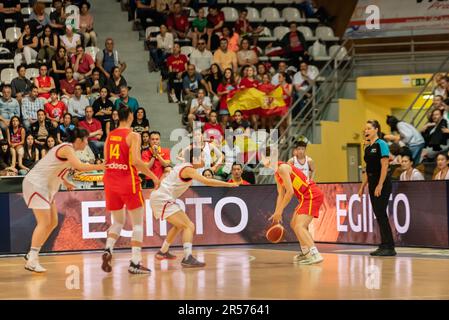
(419, 82)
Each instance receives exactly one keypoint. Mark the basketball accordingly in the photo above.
(275, 233)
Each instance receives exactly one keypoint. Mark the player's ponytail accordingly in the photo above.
(76, 133)
(123, 112)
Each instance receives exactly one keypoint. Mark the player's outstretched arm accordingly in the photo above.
(191, 173)
(69, 154)
(137, 159)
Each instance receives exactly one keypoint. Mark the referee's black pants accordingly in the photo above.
(380, 205)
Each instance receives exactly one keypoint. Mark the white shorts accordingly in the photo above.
(163, 206)
(37, 197)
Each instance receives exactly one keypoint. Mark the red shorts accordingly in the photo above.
(311, 206)
(117, 200)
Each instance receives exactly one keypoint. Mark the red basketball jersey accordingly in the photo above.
(120, 175)
(302, 188)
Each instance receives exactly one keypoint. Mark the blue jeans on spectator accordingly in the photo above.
(97, 148)
(158, 56)
(307, 8)
(416, 152)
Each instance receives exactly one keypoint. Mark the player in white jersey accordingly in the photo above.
(301, 161)
(41, 185)
(164, 206)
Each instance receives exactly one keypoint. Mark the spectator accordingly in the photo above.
(48, 43)
(145, 141)
(30, 106)
(7, 158)
(200, 108)
(409, 173)
(208, 173)
(16, 135)
(103, 107)
(246, 56)
(303, 80)
(108, 58)
(77, 104)
(212, 128)
(44, 83)
(213, 81)
(240, 126)
(224, 57)
(50, 143)
(199, 25)
(140, 122)
(29, 157)
(442, 167)
(266, 122)
(232, 37)
(87, 25)
(201, 58)
(192, 82)
(94, 85)
(282, 67)
(9, 107)
(115, 83)
(70, 41)
(156, 10)
(85, 156)
(236, 175)
(59, 64)
(58, 17)
(408, 135)
(68, 85)
(443, 87)
(224, 88)
(125, 99)
(55, 108)
(287, 91)
(215, 23)
(163, 49)
(243, 27)
(21, 85)
(93, 126)
(41, 129)
(83, 64)
(435, 134)
(27, 46)
(10, 9)
(295, 45)
(62, 132)
(261, 71)
(114, 123)
(177, 22)
(250, 82)
(38, 19)
(177, 65)
(158, 158)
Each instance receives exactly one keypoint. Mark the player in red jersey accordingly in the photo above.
(122, 188)
(292, 181)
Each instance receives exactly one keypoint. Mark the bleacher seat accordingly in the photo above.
(2, 40)
(271, 14)
(253, 15)
(241, 1)
(319, 52)
(315, 71)
(339, 52)
(307, 33)
(152, 31)
(6, 51)
(325, 33)
(92, 51)
(291, 14)
(13, 34)
(280, 31)
(7, 75)
(266, 36)
(31, 73)
(231, 14)
(187, 50)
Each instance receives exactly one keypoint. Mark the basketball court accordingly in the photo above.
(236, 272)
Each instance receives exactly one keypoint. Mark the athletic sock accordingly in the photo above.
(136, 255)
(187, 249)
(34, 253)
(110, 243)
(165, 246)
(313, 250)
(304, 250)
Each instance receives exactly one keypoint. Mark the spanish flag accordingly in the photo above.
(255, 101)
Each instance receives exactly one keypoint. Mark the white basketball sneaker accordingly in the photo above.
(34, 266)
(312, 258)
(299, 257)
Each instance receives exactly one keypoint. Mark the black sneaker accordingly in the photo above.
(165, 256)
(376, 252)
(138, 268)
(384, 252)
(106, 266)
(191, 262)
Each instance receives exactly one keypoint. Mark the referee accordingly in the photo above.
(379, 185)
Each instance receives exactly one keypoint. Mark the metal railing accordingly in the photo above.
(335, 72)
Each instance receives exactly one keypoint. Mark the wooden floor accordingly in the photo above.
(231, 273)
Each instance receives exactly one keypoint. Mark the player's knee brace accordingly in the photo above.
(137, 233)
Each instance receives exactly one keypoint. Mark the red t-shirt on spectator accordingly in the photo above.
(295, 44)
(213, 131)
(85, 63)
(157, 168)
(55, 111)
(247, 83)
(244, 182)
(69, 87)
(180, 23)
(214, 20)
(224, 98)
(95, 125)
(178, 63)
(239, 25)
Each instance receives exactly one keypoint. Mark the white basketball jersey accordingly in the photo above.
(303, 167)
(49, 171)
(173, 186)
